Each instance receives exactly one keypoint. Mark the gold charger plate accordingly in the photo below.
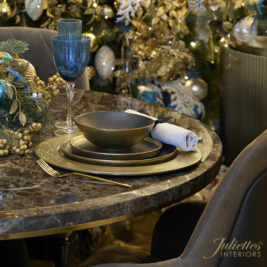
(147, 148)
(50, 151)
(167, 153)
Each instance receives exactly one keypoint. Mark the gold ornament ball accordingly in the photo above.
(198, 87)
(94, 44)
(30, 69)
(21, 143)
(107, 12)
(4, 141)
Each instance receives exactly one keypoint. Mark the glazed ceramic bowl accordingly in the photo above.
(114, 130)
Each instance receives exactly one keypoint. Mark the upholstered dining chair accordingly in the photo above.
(231, 231)
(40, 51)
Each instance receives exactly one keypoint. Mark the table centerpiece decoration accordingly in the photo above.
(24, 100)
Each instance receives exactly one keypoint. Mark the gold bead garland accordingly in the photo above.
(55, 82)
(23, 144)
(41, 87)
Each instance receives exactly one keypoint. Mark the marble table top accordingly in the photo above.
(33, 204)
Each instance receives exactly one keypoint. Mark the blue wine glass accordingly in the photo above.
(71, 55)
(68, 27)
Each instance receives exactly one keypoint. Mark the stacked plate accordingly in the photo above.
(146, 152)
(114, 143)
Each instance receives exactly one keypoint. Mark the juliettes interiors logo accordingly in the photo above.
(236, 249)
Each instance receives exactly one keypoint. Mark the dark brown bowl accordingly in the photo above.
(114, 130)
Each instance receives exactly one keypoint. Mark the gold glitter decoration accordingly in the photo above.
(24, 67)
(91, 71)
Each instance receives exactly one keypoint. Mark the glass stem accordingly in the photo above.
(67, 119)
(70, 94)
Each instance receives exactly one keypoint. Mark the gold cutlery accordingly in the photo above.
(55, 173)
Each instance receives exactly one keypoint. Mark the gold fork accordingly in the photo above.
(55, 173)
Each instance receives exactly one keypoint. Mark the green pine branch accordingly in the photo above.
(13, 46)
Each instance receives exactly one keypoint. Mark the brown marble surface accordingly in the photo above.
(31, 200)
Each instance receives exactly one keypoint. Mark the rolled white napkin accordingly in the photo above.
(172, 134)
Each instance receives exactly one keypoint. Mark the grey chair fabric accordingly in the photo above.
(116, 254)
(220, 214)
(40, 51)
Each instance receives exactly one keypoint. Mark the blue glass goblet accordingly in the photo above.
(71, 54)
(68, 27)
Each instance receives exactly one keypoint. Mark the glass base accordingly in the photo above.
(63, 124)
(65, 131)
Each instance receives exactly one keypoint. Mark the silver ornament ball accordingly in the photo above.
(246, 29)
(34, 8)
(198, 87)
(105, 62)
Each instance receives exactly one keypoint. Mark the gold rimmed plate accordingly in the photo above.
(51, 152)
(167, 153)
(147, 148)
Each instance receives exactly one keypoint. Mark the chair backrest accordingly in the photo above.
(236, 210)
(40, 51)
(250, 228)
(223, 215)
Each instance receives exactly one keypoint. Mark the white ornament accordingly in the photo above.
(34, 8)
(183, 99)
(105, 62)
(127, 10)
(246, 29)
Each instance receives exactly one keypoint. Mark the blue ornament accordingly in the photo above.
(148, 96)
(7, 58)
(3, 95)
(168, 104)
(18, 78)
(259, 6)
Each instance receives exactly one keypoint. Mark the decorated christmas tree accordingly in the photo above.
(142, 47)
